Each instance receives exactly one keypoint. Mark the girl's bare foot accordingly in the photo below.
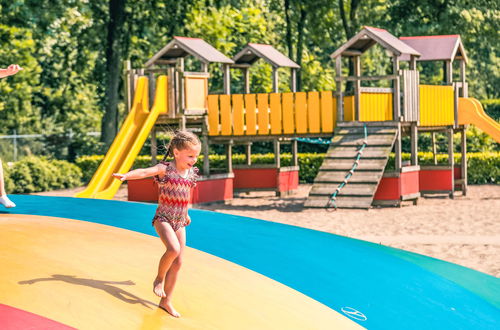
(158, 288)
(167, 307)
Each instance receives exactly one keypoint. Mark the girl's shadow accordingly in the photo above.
(97, 284)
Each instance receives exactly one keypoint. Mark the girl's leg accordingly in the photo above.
(172, 273)
(168, 237)
(4, 200)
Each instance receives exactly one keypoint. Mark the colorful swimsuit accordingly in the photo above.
(174, 196)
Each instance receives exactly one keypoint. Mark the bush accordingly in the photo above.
(492, 108)
(481, 167)
(33, 174)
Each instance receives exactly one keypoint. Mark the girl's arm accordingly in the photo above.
(12, 69)
(140, 173)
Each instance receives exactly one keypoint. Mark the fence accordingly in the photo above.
(16, 146)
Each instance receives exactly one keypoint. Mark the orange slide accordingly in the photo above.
(470, 111)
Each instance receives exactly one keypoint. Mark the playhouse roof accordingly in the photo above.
(183, 46)
(252, 52)
(370, 36)
(436, 48)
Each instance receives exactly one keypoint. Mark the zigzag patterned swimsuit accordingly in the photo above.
(174, 195)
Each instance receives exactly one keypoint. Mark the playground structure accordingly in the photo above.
(407, 108)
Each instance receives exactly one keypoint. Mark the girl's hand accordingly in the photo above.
(121, 177)
(188, 220)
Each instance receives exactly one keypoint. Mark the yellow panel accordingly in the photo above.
(348, 108)
(313, 112)
(437, 105)
(288, 122)
(328, 112)
(275, 105)
(263, 115)
(300, 112)
(376, 107)
(225, 115)
(213, 115)
(250, 114)
(196, 90)
(238, 119)
(109, 284)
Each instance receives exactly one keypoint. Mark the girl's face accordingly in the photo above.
(186, 158)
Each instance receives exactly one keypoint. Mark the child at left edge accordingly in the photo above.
(175, 180)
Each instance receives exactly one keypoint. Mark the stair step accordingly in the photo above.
(357, 139)
(370, 131)
(340, 202)
(365, 190)
(391, 124)
(346, 164)
(357, 177)
(351, 153)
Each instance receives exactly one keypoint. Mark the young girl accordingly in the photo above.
(175, 180)
(4, 200)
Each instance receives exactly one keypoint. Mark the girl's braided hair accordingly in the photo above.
(181, 140)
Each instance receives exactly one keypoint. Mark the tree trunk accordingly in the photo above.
(300, 44)
(350, 24)
(288, 22)
(109, 123)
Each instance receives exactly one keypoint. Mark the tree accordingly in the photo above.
(113, 64)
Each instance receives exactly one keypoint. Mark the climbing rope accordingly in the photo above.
(314, 141)
(333, 197)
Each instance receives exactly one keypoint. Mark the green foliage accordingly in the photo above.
(33, 174)
(492, 108)
(17, 111)
(482, 167)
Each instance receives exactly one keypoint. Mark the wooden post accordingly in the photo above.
(275, 80)
(434, 149)
(180, 86)
(227, 79)
(413, 62)
(205, 146)
(414, 143)
(465, 91)
(451, 160)
(396, 90)
(293, 83)
(172, 106)
(229, 156)
(295, 153)
(456, 92)
(463, 136)
(249, 153)
(204, 67)
(397, 151)
(154, 146)
(152, 88)
(246, 74)
(339, 94)
(129, 74)
(277, 160)
(357, 86)
(448, 71)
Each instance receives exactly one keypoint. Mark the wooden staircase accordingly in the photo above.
(339, 160)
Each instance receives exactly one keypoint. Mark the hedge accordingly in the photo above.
(34, 174)
(481, 167)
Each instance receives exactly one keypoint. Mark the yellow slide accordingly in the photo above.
(470, 111)
(129, 140)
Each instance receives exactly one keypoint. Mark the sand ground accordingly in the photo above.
(464, 230)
